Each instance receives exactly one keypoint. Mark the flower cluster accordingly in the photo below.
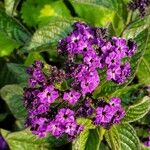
(53, 109)
(140, 5)
(3, 144)
(109, 113)
(87, 49)
(41, 100)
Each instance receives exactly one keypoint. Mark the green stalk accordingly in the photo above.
(101, 131)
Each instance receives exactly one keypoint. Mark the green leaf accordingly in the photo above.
(128, 137)
(12, 73)
(144, 71)
(131, 31)
(87, 123)
(25, 140)
(3, 116)
(87, 140)
(112, 138)
(144, 67)
(135, 27)
(32, 57)
(103, 12)
(44, 11)
(98, 16)
(49, 35)
(13, 94)
(13, 29)
(9, 6)
(19, 71)
(7, 45)
(130, 94)
(116, 5)
(137, 111)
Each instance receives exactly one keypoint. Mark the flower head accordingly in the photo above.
(48, 95)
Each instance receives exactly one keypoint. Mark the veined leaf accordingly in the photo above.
(131, 94)
(19, 71)
(12, 94)
(112, 138)
(25, 140)
(132, 30)
(12, 74)
(128, 137)
(135, 27)
(138, 110)
(144, 71)
(49, 35)
(144, 67)
(13, 29)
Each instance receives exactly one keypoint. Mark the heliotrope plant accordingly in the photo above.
(86, 50)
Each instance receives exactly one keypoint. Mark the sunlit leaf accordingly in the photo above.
(137, 111)
(128, 137)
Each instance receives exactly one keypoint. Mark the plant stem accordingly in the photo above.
(129, 19)
(101, 132)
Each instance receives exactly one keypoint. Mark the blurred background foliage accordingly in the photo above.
(30, 30)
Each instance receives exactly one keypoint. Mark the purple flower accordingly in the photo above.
(113, 73)
(103, 115)
(120, 113)
(38, 75)
(65, 115)
(115, 102)
(48, 95)
(3, 144)
(92, 60)
(32, 82)
(109, 113)
(125, 73)
(79, 129)
(55, 129)
(113, 59)
(72, 97)
(120, 46)
(132, 48)
(42, 108)
(107, 48)
(147, 142)
(85, 109)
(70, 128)
(38, 64)
(39, 126)
(140, 5)
(88, 86)
(90, 82)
